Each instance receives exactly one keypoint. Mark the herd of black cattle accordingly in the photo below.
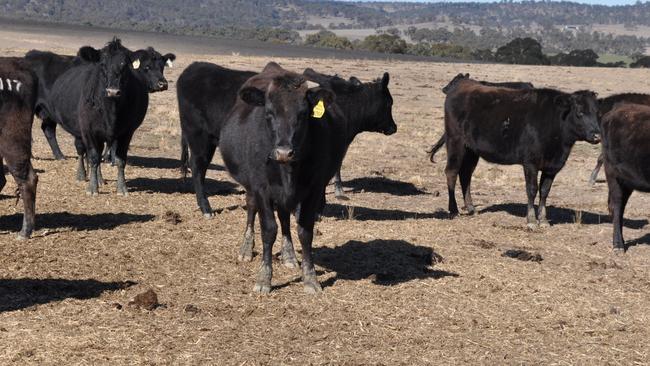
(283, 135)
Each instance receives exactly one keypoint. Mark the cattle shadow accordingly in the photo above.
(162, 163)
(644, 240)
(560, 215)
(17, 294)
(58, 220)
(385, 262)
(175, 185)
(345, 212)
(383, 185)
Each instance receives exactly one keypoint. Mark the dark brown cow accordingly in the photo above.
(626, 153)
(607, 104)
(535, 128)
(18, 90)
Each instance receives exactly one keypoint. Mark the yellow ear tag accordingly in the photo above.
(136, 64)
(319, 110)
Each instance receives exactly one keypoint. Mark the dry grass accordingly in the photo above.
(389, 297)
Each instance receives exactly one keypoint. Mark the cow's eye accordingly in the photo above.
(147, 68)
(580, 114)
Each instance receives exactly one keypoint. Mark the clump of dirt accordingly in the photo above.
(483, 244)
(147, 300)
(172, 217)
(192, 309)
(522, 255)
(602, 265)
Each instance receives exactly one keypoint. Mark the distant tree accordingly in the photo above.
(522, 51)
(643, 62)
(384, 43)
(328, 39)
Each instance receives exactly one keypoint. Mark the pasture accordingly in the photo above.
(402, 283)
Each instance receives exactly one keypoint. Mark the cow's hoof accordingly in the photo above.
(290, 262)
(452, 215)
(208, 215)
(22, 237)
(618, 251)
(92, 194)
(245, 257)
(312, 286)
(123, 194)
(262, 288)
(342, 197)
(544, 224)
(532, 226)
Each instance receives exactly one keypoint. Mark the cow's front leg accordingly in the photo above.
(545, 183)
(530, 173)
(94, 159)
(269, 230)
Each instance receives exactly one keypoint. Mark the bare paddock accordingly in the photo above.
(402, 284)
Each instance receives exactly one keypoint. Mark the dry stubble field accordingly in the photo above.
(402, 284)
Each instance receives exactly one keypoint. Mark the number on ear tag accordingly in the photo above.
(319, 110)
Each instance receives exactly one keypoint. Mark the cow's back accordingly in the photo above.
(626, 133)
(206, 94)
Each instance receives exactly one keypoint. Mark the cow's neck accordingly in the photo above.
(357, 107)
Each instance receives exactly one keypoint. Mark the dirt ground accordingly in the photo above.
(402, 284)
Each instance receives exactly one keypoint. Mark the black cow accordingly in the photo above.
(535, 128)
(366, 106)
(454, 82)
(607, 104)
(626, 132)
(49, 66)
(100, 101)
(283, 158)
(206, 94)
(18, 90)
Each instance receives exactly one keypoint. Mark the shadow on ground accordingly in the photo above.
(174, 185)
(162, 163)
(376, 214)
(16, 294)
(385, 262)
(104, 221)
(559, 215)
(383, 185)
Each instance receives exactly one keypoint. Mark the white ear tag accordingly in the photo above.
(136, 64)
(169, 63)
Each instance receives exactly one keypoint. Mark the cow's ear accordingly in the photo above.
(316, 95)
(252, 96)
(169, 59)
(466, 75)
(385, 80)
(89, 54)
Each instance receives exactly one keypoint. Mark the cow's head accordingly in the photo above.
(288, 100)
(381, 103)
(151, 66)
(114, 61)
(580, 112)
(454, 81)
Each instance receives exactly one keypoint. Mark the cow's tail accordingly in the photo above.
(185, 156)
(435, 147)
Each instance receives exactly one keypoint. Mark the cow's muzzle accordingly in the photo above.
(390, 130)
(113, 92)
(282, 155)
(161, 86)
(594, 138)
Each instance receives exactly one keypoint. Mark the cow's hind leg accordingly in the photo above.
(455, 156)
(288, 254)
(269, 229)
(49, 130)
(545, 183)
(21, 169)
(530, 173)
(467, 169)
(618, 197)
(202, 152)
(246, 249)
(3, 179)
(594, 173)
(338, 186)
